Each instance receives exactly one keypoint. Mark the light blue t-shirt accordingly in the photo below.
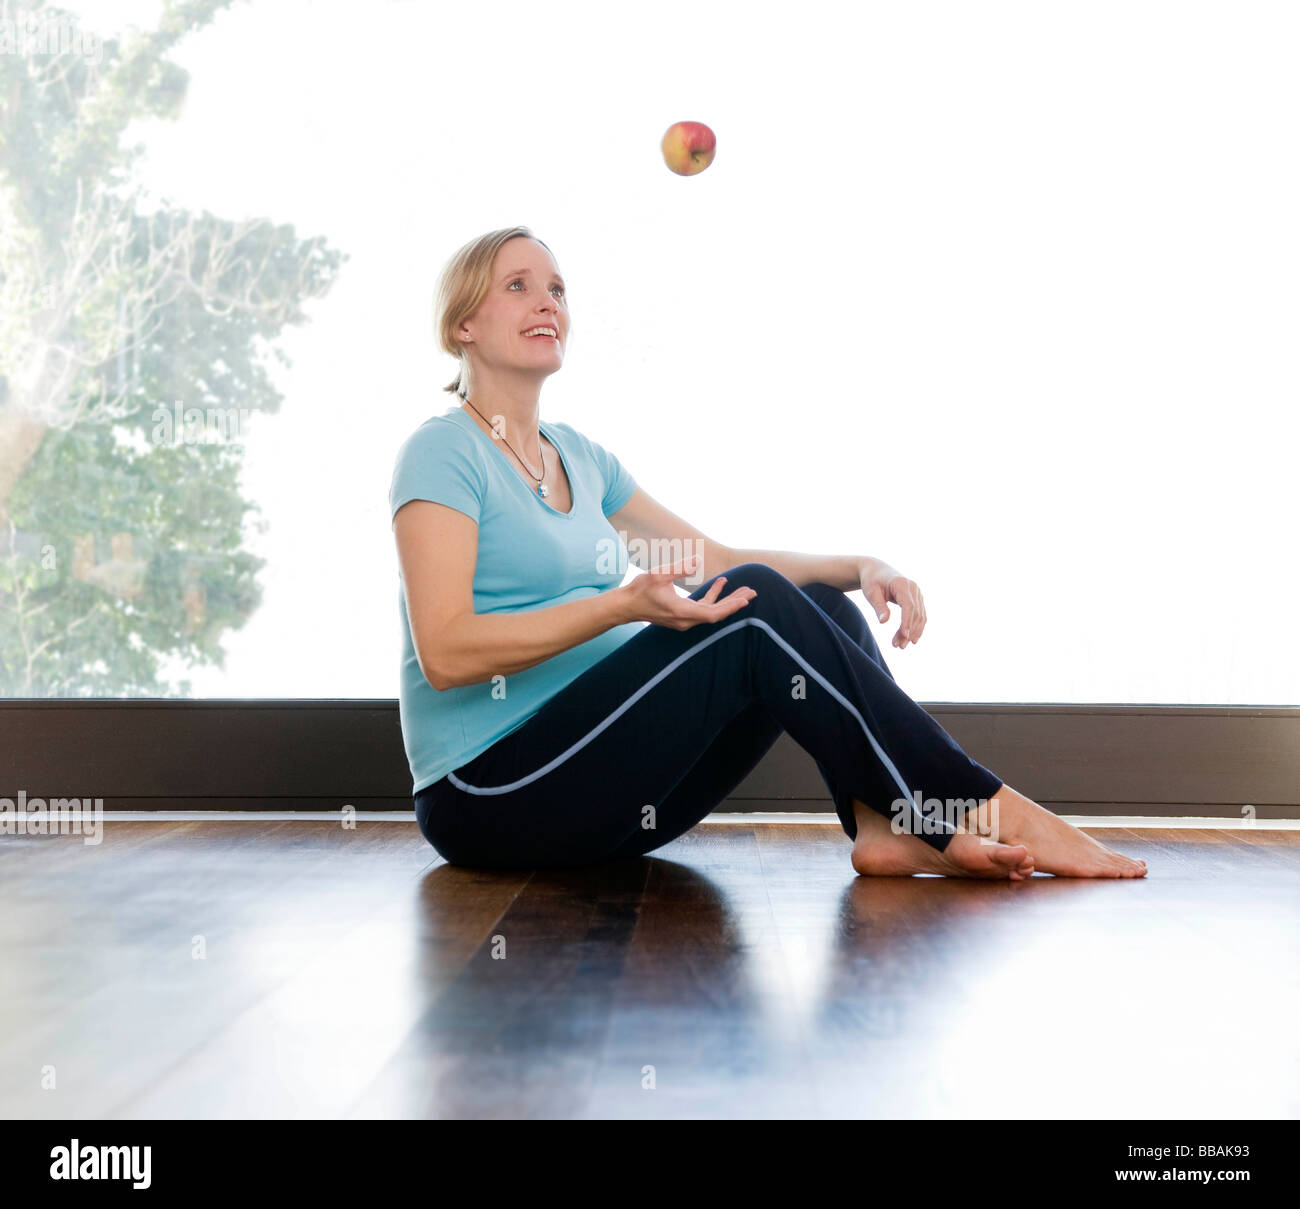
(529, 557)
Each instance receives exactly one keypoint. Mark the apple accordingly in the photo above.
(688, 147)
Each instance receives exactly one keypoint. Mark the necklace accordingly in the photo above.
(542, 489)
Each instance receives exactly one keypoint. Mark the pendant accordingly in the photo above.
(543, 490)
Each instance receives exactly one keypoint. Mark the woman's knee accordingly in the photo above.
(764, 579)
(835, 603)
(826, 594)
(757, 576)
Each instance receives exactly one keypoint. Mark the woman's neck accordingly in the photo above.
(517, 422)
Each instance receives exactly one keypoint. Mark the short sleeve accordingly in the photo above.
(438, 463)
(619, 484)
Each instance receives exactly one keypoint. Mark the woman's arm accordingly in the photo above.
(843, 571)
(648, 526)
(437, 547)
(879, 582)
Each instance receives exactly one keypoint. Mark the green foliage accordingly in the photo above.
(181, 507)
(118, 551)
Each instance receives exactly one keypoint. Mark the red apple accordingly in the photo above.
(688, 147)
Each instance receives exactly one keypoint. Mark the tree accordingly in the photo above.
(120, 538)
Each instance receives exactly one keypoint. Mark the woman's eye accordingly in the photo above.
(519, 281)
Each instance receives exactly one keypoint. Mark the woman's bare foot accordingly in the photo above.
(880, 851)
(1057, 846)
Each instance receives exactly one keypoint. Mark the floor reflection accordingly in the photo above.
(717, 984)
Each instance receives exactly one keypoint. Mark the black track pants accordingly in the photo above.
(645, 743)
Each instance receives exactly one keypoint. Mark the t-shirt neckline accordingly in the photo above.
(545, 429)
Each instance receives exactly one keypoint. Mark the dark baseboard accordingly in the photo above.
(153, 754)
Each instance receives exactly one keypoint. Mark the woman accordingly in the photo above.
(553, 716)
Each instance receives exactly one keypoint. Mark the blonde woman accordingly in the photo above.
(553, 716)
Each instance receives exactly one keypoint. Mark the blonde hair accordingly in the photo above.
(464, 283)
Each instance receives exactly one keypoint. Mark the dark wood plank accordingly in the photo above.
(704, 1021)
(517, 1031)
(352, 973)
(97, 950)
(311, 1046)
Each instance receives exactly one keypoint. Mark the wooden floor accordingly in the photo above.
(298, 969)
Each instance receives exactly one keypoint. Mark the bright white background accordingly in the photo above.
(1005, 293)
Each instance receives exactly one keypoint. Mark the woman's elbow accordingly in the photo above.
(443, 675)
(437, 679)
(436, 654)
(434, 665)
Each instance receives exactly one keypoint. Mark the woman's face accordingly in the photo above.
(527, 292)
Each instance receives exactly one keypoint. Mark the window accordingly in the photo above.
(1004, 295)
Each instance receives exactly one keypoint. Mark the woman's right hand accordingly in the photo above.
(652, 596)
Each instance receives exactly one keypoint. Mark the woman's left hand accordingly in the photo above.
(881, 584)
